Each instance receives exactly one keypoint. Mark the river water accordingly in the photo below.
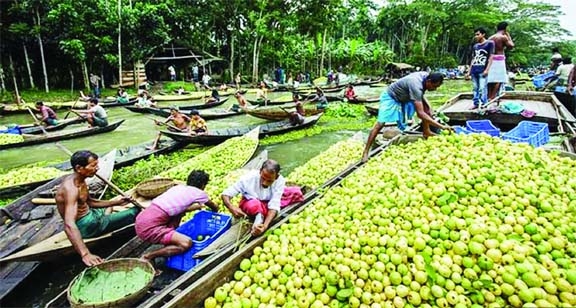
(139, 128)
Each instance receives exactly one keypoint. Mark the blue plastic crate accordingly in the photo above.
(482, 126)
(461, 130)
(540, 80)
(11, 130)
(534, 133)
(208, 224)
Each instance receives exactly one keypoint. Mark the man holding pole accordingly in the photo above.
(48, 115)
(83, 216)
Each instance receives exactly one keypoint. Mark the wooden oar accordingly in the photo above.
(168, 125)
(112, 185)
(285, 110)
(497, 98)
(73, 105)
(36, 121)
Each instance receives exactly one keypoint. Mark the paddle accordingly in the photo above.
(497, 98)
(166, 124)
(285, 110)
(36, 121)
(73, 105)
(106, 181)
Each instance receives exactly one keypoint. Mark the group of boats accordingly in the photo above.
(33, 233)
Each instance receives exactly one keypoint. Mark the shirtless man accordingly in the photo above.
(241, 102)
(497, 73)
(83, 216)
(180, 124)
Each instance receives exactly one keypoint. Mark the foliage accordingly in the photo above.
(258, 36)
(338, 116)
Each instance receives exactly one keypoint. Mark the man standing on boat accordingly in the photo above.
(479, 66)
(401, 100)
(497, 73)
(263, 194)
(83, 216)
(48, 115)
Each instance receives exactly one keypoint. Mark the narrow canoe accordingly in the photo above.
(206, 115)
(52, 137)
(269, 102)
(220, 135)
(59, 244)
(36, 129)
(135, 247)
(173, 98)
(136, 109)
(124, 157)
(367, 82)
(204, 280)
(277, 114)
(105, 102)
(569, 101)
(30, 224)
(204, 105)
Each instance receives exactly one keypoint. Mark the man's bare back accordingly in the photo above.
(502, 41)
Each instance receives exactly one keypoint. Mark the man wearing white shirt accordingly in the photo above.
(261, 195)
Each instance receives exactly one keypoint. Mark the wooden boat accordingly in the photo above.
(195, 286)
(36, 129)
(204, 105)
(136, 109)
(58, 245)
(367, 82)
(169, 282)
(363, 100)
(220, 135)
(25, 224)
(378, 85)
(116, 103)
(569, 101)
(214, 114)
(459, 110)
(172, 98)
(15, 109)
(124, 157)
(52, 137)
(269, 102)
(277, 114)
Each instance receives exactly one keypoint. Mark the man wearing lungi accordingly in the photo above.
(497, 73)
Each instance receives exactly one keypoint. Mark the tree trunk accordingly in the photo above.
(14, 79)
(2, 82)
(255, 60)
(32, 85)
(232, 58)
(86, 78)
(120, 42)
(71, 81)
(42, 52)
(319, 73)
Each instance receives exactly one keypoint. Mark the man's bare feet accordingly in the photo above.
(364, 158)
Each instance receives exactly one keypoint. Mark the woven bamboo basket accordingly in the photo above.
(154, 187)
(121, 264)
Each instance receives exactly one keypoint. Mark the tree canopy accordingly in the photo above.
(57, 43)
